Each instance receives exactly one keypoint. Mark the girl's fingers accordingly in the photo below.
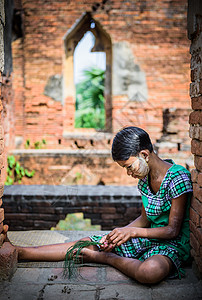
(103, 239)
(109, 248)
(112, 237)
(116, 240)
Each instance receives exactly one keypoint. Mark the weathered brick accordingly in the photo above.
(1, 146)
(200, 252)
(196, 205)
(197, 191)
(198, 162)
(196, 102)
(1, 190)
(43, 210)
(196, 117)
(1, 106)
(1, 132)
(196, 147)
(107, 210)
(194, 73)
(199, 235)
(198, 261)
(199, 179)
(194, 175)
(200, 86)
(1, 215)
(194, 217)
(194, 243)
(2, 161)
(8, 261)
(195, 132)
(111, 216)
(39, 224)
(194, 89)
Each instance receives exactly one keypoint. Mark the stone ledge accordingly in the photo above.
(95, 135)
(59, 152)
(73, 190)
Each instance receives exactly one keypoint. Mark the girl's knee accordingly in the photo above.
(153, 270)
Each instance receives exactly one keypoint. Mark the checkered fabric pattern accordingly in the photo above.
(157, 206)
(143, 248)
(174, 184)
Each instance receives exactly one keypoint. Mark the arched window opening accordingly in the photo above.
(89, 80)
(77, 99)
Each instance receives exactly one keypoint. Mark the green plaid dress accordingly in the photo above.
(176, 182)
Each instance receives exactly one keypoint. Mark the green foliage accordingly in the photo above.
(75, 222)
(15, 172)
(39, 144)
(36, 145)
(27, 144)
(77, 177)
(90, 111)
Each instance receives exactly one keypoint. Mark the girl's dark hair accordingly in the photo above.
(129, 142)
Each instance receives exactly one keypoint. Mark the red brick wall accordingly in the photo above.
(156, 32)
(2, 165)
(6, 134)
(38, 207)
(71, 168)
(8, 254)
(195, 34)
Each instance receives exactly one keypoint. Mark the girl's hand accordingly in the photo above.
(117, 237)
(105, 244)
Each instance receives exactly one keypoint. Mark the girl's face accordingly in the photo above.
(137, 167)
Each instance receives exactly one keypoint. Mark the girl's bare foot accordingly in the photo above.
(102, 257)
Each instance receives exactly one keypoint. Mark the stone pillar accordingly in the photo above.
(8, 254)
(195, 120)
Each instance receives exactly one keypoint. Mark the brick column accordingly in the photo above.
(195, 120)
(8, 254)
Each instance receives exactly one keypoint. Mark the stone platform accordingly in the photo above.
(44, 280)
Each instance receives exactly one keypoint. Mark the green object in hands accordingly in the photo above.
(73, 257)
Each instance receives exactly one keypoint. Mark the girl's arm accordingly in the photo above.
(141, 221)
(121, 235)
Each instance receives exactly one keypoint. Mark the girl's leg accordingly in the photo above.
(152, 270)
(55, 252)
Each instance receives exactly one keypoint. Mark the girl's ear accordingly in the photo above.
(145, 154)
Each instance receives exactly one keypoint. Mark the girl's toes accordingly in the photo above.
(5, 229)
(4, 234)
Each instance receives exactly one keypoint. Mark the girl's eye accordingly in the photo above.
(128, 168)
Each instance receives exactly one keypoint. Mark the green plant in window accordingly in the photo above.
(90, 102)
(15, 172)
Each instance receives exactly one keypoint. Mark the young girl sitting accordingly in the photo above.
(155, 244)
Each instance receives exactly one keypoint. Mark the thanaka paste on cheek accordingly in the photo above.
(140, 167)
